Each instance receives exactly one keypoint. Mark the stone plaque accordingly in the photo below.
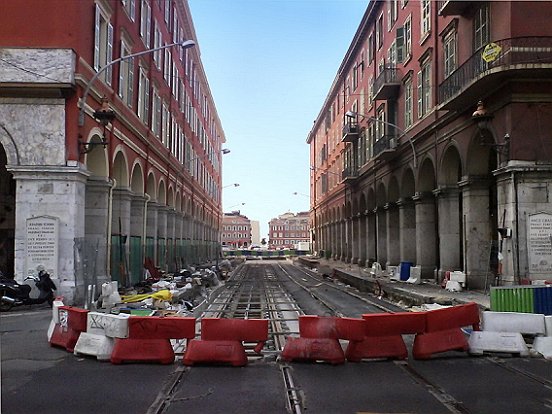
(42, 245)
(539, 243)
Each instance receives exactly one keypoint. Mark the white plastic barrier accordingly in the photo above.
(543, 344)
(503, 332)
(505, 342)
(101, 329)
(415, 275)
(459, 277)
(55, 317)
(524, 323)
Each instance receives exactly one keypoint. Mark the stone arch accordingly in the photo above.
(162, 193)
(120, 169)
(151, 188)
(426, 176)
(137, 179)
(450, 171)
(96, 159)
(170, 198)
(7, 216)
(10, 147)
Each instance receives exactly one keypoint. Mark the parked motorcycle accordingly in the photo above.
(13, 293)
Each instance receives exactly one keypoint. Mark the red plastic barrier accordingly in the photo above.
(443, 331)
(319, 339)
(221, 341)
(72, 321)
(161, 327)
(149, 339)
(384, 335)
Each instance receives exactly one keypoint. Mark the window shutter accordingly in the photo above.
(148, 25)
(400, 44)
(109, 54)
(132, 10)
(420, 95)
(97, 39)
(146, 101)
(130, 88)
(122, 70)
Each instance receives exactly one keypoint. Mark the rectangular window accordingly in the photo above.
(156, 44)
(156, 114)
(424, 88)
(379, 32)
(145, 23)
(449, 50)
(481, 27)
(143, 96)
(425, 25)
(126, 75)
(130, 8)
(407, 32)
(370, 48)
(103, 44)
(408, 103)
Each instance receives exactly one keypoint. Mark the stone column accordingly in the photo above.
(450, 242)
(426, 257)
(477, 230)
(171, 264)
(371, 235)
(393, 235)
(137, 230)
(362, 238)
(407, 222)
(355, 242)
(381, 235)
(162, 213)
(151, 232)
(179, 235)
(120, 226)
(58, 192)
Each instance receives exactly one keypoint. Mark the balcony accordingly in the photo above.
(453, 7)
(515, 58)
(387, 85)
(349, 174)
(385, 147)
(350, 132)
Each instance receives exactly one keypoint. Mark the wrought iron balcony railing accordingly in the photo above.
(349, 173)
(520, 53)
(387, 143)
(387, 85)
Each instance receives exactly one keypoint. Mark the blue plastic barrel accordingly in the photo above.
(405, 270)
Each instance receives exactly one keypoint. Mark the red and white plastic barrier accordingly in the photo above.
(70, 323)
(222, 341)
(383, 335)
(149, 339)
(443, 331)
(319, 339)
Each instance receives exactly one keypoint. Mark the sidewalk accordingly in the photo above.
(406, 293)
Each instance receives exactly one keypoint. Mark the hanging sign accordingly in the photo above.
(491, 52)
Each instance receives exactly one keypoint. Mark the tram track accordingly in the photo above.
(281, 292)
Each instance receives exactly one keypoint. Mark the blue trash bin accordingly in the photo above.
(405, 270)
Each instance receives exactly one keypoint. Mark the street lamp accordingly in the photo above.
(351, 114)
(105, 115)
(231, 185)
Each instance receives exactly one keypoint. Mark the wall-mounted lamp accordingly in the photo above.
(104, 115)
(483, 121)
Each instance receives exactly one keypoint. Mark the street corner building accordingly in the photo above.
(433, 146)
(110, 143)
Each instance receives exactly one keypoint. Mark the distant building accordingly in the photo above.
(236, 230)
(288, 230)
(255, 232)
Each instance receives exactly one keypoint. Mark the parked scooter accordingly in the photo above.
(13, 293)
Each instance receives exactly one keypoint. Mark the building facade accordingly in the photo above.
(288, 230)
(236, 231)
(110, 143)
(434, 143)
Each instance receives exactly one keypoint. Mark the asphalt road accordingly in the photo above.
(36, 378)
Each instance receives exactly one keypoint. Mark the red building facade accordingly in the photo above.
(408, 167)
(236, 230)
(288, 230)
(137, 179)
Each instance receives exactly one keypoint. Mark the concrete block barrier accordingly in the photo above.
(222, 340)
(96, 345)
(415, 275)
(443, 330)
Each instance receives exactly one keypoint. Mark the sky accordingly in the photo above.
(270, 65)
